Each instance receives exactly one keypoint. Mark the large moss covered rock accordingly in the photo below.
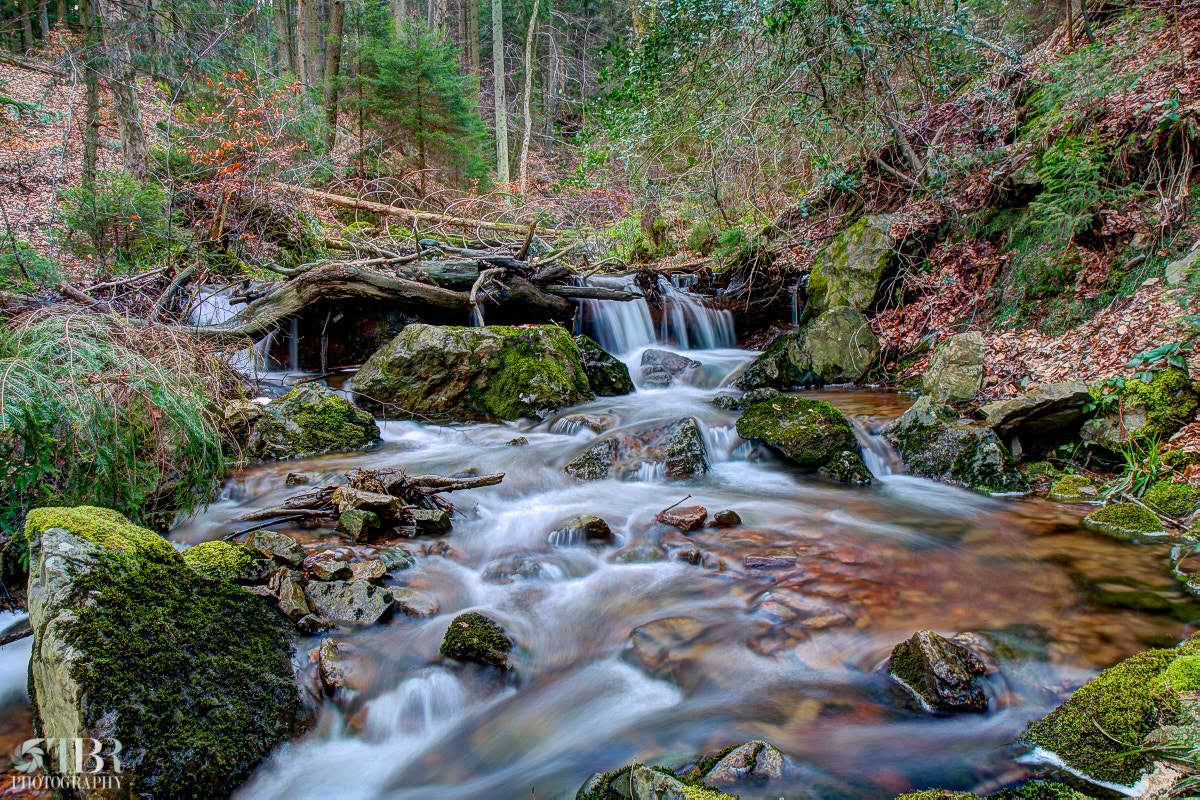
(934, 443)
(955, 373)
(1099, 731)
(811, 433)
(848, 270)
(308, 419)
(836, 347)
(479, 639)
(1147, 410)
(676, 447)
(191, 674)
(942, 674)
(492, 373)
(607, 375)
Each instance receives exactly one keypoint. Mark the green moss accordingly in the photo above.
(706, 763)
(1182, 674)
(522, 364)
(102, 526)
(1170, 400)
(1123, 521)
(331, 423)
(478, 639)
(1038, 790)
(1176, 499)
(193, 675)
(599, 787)
(1099, 728)
(1067, 489)
(225, 560)
(1178, 459)
(937, 794)
(807, 431)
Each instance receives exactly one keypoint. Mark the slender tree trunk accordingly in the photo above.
(91, 84)
(60, 15)
(26, 11)
(122, 80)
(526, 95)
(437, 15)
(399, 17)
(333, 63)
(473, 34)
(283, 50)
(308, 66)
(498, 83)
(44, 19)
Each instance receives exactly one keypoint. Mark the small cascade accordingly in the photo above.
(687, 322)
(418, 705)
(877, 452)
(692, 325)
(619, 327)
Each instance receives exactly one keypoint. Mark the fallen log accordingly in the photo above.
(592, 293)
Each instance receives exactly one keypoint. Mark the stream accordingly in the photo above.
(722, 653)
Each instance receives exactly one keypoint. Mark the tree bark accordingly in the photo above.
(502, 174)
(91, 83)
(283, 49)
(44, 19)
(26, 12)
(306, 41)
(526, 110)
(122, 82)
(60, 15)
(473, 34)
(399, 17)
(333, 63)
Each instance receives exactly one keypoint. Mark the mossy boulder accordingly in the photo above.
(935, 444)
(940, 673)
(676, 447)
(1099, 730)
(1128, 521)
(1073, 489)
(309, 419)
(955, 372)
(1176, 499)
(1154, 410)
(640, 782)
(230, 561)
(849, 270)
(479, 639)
(836, 347)
(191, 674)
(937, 794)
(606, 374)
(462, 374)
(810, 433)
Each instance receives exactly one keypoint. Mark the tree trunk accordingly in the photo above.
(498, 82)
(26, 12)
(60, 15)
(333, 63)
(306, 42)
(399, 17)
(44, 19)
(437, 16)
(91, 83)
(122, 81)
(473, 34)
(283, 50)
(526, 110)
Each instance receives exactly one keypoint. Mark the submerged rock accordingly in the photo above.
(942, 674)
(581, 529)
(492, 373)
(660, 368)
(352, 602)
(479, 639)
(412, 603)
(849, 270)
(685, 518)
(678, 446)
(934, 444)
(836, 347)
(810, 433)
(607, 375)
(309, 419)
(192, 674)
(1128, 521)
(955, 373)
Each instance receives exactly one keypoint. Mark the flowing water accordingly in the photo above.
(626, 658)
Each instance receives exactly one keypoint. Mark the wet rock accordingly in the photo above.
(1155, 409)
(278, 546)
(510, 569)
(347, 498)
(1041, 416)
(639, 782)
(119, 623)
(343, 665)
(292, 602)
(810, 433)
(849, 270)
(240, 416)
(519, 441)
(431, 521)
(661, 368)
(394, 558)
(309, 419)
(836, 347)
(596, 423)
(331, 570)
(353, 602)
(696, 557)
(297, 479)
(942, 674)
(231, 561)
(640, 554)
(726, 518)
(581, 529)
(733, 402)
(678, 446)
(770, 562)
(728, 402)
(359, 525)
(607, 375)
(1073, 489)
(658, 646)
(754, 763)
(493, 373)
(685, 518)
(370, 570)
(412, 603)
(955, 372)
(1127, 521)
(479, 639)
(935, 444)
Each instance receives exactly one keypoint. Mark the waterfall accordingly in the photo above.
(417, 706)
(213, 307)
(621, 327)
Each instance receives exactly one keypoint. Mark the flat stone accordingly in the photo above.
(1039, 412)
(370, 570)
(278, 546)
(770, 562)
(353, 602)
(412, 603)
(685, 518)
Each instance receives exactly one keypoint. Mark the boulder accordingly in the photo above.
(1127, 521)
(278, 546)
(849, 270)
(836, 347)
(726, 518)
(606, 374)
(493, 373)
(955, 372)
(685, 518)
(309, 419)
(678, 446)
(934, 443)
(191, 674)
(359, 524)
(581, 529)
(1040, 417)
(810, 433)
(660, 368)
(941, 674)
(1179, 270)
(479, 639)
(353, 602)
(754, 763)
(1146, 410)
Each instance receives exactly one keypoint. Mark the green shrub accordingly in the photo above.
(23, 269)
(121, 219)
(96, 411)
